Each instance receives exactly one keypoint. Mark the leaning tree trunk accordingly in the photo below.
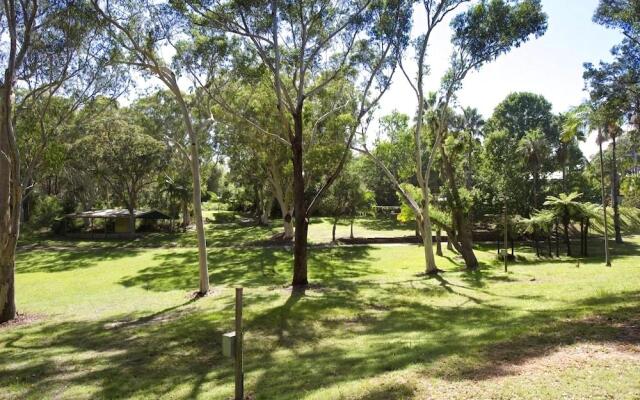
(615, 193)
(460, 220)
(300, 208)
(10, 204)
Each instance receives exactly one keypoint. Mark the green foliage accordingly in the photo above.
(119, 154)
(45, 211)
(406, 212)
(348, 197)
(524, 112)
(630, 189)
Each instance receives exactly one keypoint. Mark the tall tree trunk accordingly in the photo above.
(10, 203)
(285, 209)
(549, 243)
(615, 192)
(427, 237)
(537, 242)
(300, 207)
(535, 190)
(564, 167)
(197, 195)
(439, 242)
(604, 204)
(567, 240)
(351, 233)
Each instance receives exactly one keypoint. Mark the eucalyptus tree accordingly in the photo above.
(121, 156)
(160, 116)
(67, 68)
(141, 32)
(483, 32)
(306, 46)
(46, 50)
(240, 138)
(346, 198)
(18, 21)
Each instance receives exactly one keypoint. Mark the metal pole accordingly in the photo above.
(238, 347)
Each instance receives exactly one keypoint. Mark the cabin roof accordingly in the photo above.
(112, 213)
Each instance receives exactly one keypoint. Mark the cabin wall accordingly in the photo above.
(122, 225)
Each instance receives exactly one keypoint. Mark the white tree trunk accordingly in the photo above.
(197, 195)
(427, 239)
(285, 207)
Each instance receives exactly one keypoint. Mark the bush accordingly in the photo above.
(45, 212)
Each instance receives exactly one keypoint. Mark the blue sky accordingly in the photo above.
(550, 65)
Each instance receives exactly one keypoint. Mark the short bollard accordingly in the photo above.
(232, 347)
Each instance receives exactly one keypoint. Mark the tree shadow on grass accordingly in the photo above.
(269, 267)
(485, 341)
(129, 356)
(68, 260)
(301, 344)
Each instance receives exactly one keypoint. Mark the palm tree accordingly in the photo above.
(565, 207)
(601, 139)
(539, 222)
(588, 212)
(572, 132)
(613, 131)
(534, 148)
(590, 115)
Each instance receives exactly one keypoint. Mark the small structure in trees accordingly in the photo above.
(115, 221)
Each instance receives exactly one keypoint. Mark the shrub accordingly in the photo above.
(45, 212)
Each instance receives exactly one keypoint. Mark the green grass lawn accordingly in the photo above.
(228, 229)
(120, 322)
